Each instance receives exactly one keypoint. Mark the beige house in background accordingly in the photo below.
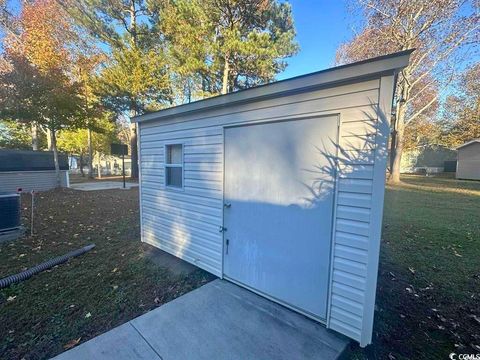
(468, 164)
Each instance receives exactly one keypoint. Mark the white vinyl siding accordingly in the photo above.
(45, 180)
(187, 223)
(468, 163)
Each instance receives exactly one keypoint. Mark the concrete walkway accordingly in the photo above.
(217, 321)
(102, 185)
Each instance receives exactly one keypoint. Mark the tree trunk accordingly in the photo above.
(226, 71)
(49, 140)
(134, 151)
(393, 139)
(90, 153)
(397, 144)
(399, 129)
(34, 136)
(133, 109)
(99, 166)
(81, 165)
(53, 138)
(133, 24)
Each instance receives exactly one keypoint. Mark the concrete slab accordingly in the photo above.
(221, 321)
(102, 185)
(121, 343)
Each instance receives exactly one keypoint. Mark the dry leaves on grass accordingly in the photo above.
(71, 343)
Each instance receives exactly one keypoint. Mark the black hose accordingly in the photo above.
(24, 275)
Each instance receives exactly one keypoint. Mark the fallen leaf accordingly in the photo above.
(115, 287)
(11, 298)
(412, 270)
(115, 270)
(88, 315)
(476, 318)
(72, 343)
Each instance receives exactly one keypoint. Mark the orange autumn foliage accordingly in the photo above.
(45, 36)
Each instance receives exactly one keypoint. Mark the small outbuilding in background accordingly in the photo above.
(31, 170)
(468, 160)
(279, 188)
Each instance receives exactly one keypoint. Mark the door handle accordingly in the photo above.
(227, 205)
(222, 228)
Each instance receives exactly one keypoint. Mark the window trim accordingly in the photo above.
(166, 165)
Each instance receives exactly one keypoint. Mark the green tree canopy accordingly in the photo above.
(75, 141)
(134, 80)
(227, 44)
(136, 76)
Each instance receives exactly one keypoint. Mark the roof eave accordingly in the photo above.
(387, 64)
(469, 143)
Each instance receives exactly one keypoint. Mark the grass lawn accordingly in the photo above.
(428, 288)
(91, 294)
(428, 295)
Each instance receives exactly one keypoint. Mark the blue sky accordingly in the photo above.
(322, 25)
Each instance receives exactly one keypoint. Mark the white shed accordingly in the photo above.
(278, 188)
(31, 170)
(468, 160)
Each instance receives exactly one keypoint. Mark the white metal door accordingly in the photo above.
(279, 194)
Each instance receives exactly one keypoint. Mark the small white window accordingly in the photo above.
(174, 165)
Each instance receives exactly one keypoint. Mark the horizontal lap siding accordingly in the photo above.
(352, 219)
(31, 180)
(185, 223)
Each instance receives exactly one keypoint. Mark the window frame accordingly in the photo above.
(166, 165)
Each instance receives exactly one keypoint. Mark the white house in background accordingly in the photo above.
(468, 160)
(278, 188)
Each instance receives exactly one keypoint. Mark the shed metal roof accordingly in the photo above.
(386, 64)
(26, 160)
(469, 143)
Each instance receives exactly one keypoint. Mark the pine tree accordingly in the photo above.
(228, 45)
(135, 78)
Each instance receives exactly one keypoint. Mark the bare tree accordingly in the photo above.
(443, 32)
(8, 22)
